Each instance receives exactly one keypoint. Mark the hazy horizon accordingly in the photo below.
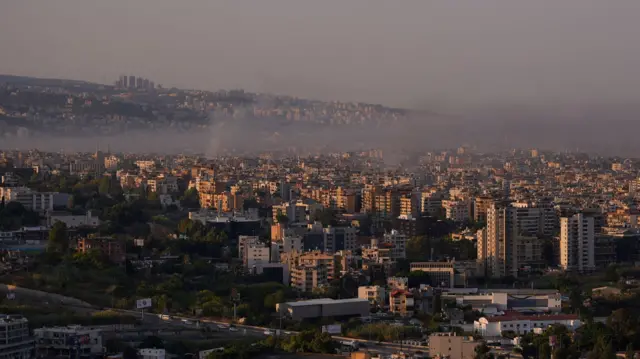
(435, 55)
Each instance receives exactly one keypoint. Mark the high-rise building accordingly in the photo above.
(510, 241)
(132, 82)
(577, 243)
(123, 81)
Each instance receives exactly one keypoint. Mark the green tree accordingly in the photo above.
(482, 351)
(104, 186)
(544, 351)
(58, 238)
(129, 353)
(190, 199)
(282, 219)
(611, 273)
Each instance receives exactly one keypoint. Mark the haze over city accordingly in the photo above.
(437, 55)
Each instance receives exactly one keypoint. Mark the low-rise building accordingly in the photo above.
(523, 324)
(452, 346)
(442, 274)
(324, 307)
(72, 220)
(110, 247)
(148, 353)
(375, 294)
(74, 341)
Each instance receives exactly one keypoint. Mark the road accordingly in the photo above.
(190, 322)
(248, 330)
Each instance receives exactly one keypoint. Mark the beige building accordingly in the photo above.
(480, 207)
(306, 278)
(452, 346)
(510, 240)
(441, 273)
(401, 302)
(375, 294)
(577, 243)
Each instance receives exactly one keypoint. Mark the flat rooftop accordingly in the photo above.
(321, 301)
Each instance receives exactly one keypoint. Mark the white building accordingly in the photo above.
(523, 324)
(577, 243)
(15, 340)
(244, 241)
(502, 300)
(255, 252)
(30, 199)
(73, 221)
(74, 340)
(152, 353)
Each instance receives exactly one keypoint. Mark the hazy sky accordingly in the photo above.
(423, 53)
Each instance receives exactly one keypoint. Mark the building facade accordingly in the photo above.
(577, 243)
(15, 339)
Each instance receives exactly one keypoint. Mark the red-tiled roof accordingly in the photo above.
(398, 292)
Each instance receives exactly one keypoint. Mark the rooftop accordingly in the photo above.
(513, 316)
(322, 301)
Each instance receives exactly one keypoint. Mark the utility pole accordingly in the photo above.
(235, 298)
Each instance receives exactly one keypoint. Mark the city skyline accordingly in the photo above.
(427, 55)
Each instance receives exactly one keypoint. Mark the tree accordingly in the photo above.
(544, 351)
(282, 218)
(190, 199)
(611, 273)
(129, 353)
(58, 238)
(482, 351)
(630, 353)
(104, 186)
(152, 342)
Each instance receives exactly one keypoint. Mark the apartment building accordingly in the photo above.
(457, 211)
(30, 199)
(15, 339)
(577, 243)
(255, 254)
(74, 341)
(480, 206)
(401, 302)
(339, 238)
(110, 247)
(510, 241)
(398, 282)
(306, 278)
(398, 242)
(375, 294)
(244, 241)
(295, 212)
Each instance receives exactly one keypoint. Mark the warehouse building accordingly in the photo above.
(324, 307)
